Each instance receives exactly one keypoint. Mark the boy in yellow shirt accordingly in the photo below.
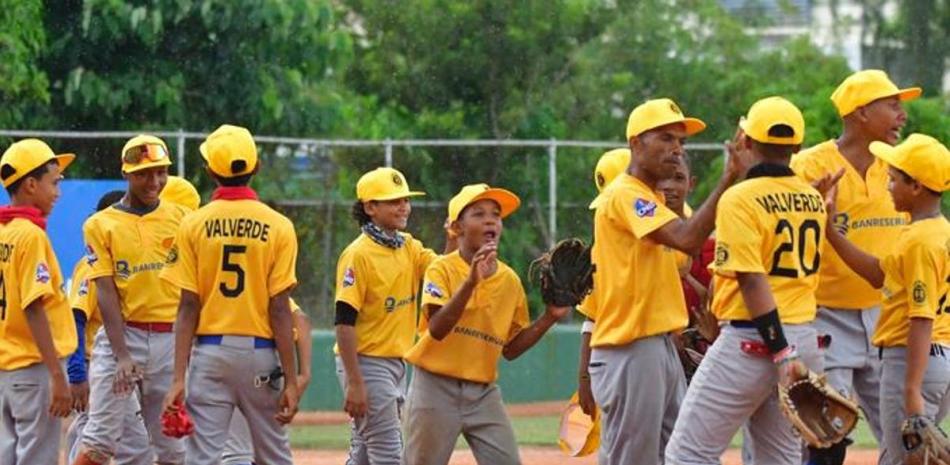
(36, 331)
(870, 107)
(474, 310)
(378, 278)
(913, 332)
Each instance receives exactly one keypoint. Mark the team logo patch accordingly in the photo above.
(397, 180)
(722, 253)
(433, 290)
(122, 269)
(919, 292)
(644, 208)
(675, 109)
(841, 222)
(83, 288)
(91, 257)
(600, 179)
(349, 277)
(42, 273)
(168, 242)
(172, 255)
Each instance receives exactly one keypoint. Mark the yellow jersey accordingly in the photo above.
(83, 297)
(235, 255)
(29, 271)
(637, 283)
(865, 215)
(916, 277)
(496, 312)
(381, 284)
(131, 248)
(771, 223)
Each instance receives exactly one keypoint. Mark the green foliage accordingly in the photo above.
(23, 85)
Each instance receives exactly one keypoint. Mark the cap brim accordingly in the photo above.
(144, 166)
(65, 159)
(202, 149)
(398, 195)
(909, 93)
(694, 126)
(596, 202)
(885, 152)
(507, 200)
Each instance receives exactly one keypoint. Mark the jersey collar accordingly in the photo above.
(772, 170)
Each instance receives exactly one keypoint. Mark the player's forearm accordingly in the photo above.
(699, 226)
(346, 344)
(39, 328)
(282, 325)
(867, 266)
(918, 356)
(584, 360)
(186, 325)
(528, 337)
(443, 319)
(111, 312)
(304, 343)
(756, 293)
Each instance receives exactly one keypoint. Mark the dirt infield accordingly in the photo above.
(545, 456)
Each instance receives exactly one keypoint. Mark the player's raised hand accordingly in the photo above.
(827, 182)
(484, 262)
(289, 402)
(127, 373)
(831, 209)
(61, 400)
(738, 158)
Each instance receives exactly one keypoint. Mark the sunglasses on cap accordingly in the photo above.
(140, 153)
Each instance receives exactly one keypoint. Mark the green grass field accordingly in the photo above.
(530, 431)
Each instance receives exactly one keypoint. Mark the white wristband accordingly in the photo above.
(587, 327)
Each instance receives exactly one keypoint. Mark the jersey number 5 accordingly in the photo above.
(797, 240)
(227, 265)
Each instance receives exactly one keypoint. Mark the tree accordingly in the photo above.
(23, 84)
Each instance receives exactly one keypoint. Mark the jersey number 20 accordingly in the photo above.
(229, 266)
(797, 242)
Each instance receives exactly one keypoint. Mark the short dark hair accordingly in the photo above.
(6, 171)
(778, 150)
(108, 199)
(233, 181)
(909, 179)
(359, 214)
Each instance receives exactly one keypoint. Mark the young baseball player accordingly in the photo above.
(378, 277)
(636, 376)
(234, 310)
(870, 107)
(768, 237)
(36, 331)
(134, 447)
(913, 332)
(131, 366)
(474, 311)
(609, 166)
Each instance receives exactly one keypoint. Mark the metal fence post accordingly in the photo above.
(181, 152)
(552, 193)
(389, 152)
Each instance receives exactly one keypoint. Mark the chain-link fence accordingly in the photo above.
(312, 181)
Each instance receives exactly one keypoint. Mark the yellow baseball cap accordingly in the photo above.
(864, 87)
(143, 152)
(383, 184)
(226, 145)
(472, 193)
(579, 434)
(922, 157)
(179, 191)
(27, 155)
(611, 163)
(770, 112)
(660, 112)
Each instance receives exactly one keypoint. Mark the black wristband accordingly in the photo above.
(770, 328)
(345, 314)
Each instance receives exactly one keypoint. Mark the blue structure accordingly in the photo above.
(78, 201)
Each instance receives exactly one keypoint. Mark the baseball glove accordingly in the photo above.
(820, 414)
(565, 272)
(924, 442)
(177, 423)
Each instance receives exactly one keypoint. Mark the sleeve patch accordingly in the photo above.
(42, 273)
(91, 256)
(433, 290)
(349, 277)
(644, 208)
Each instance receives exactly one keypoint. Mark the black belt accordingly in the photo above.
(935, 350)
